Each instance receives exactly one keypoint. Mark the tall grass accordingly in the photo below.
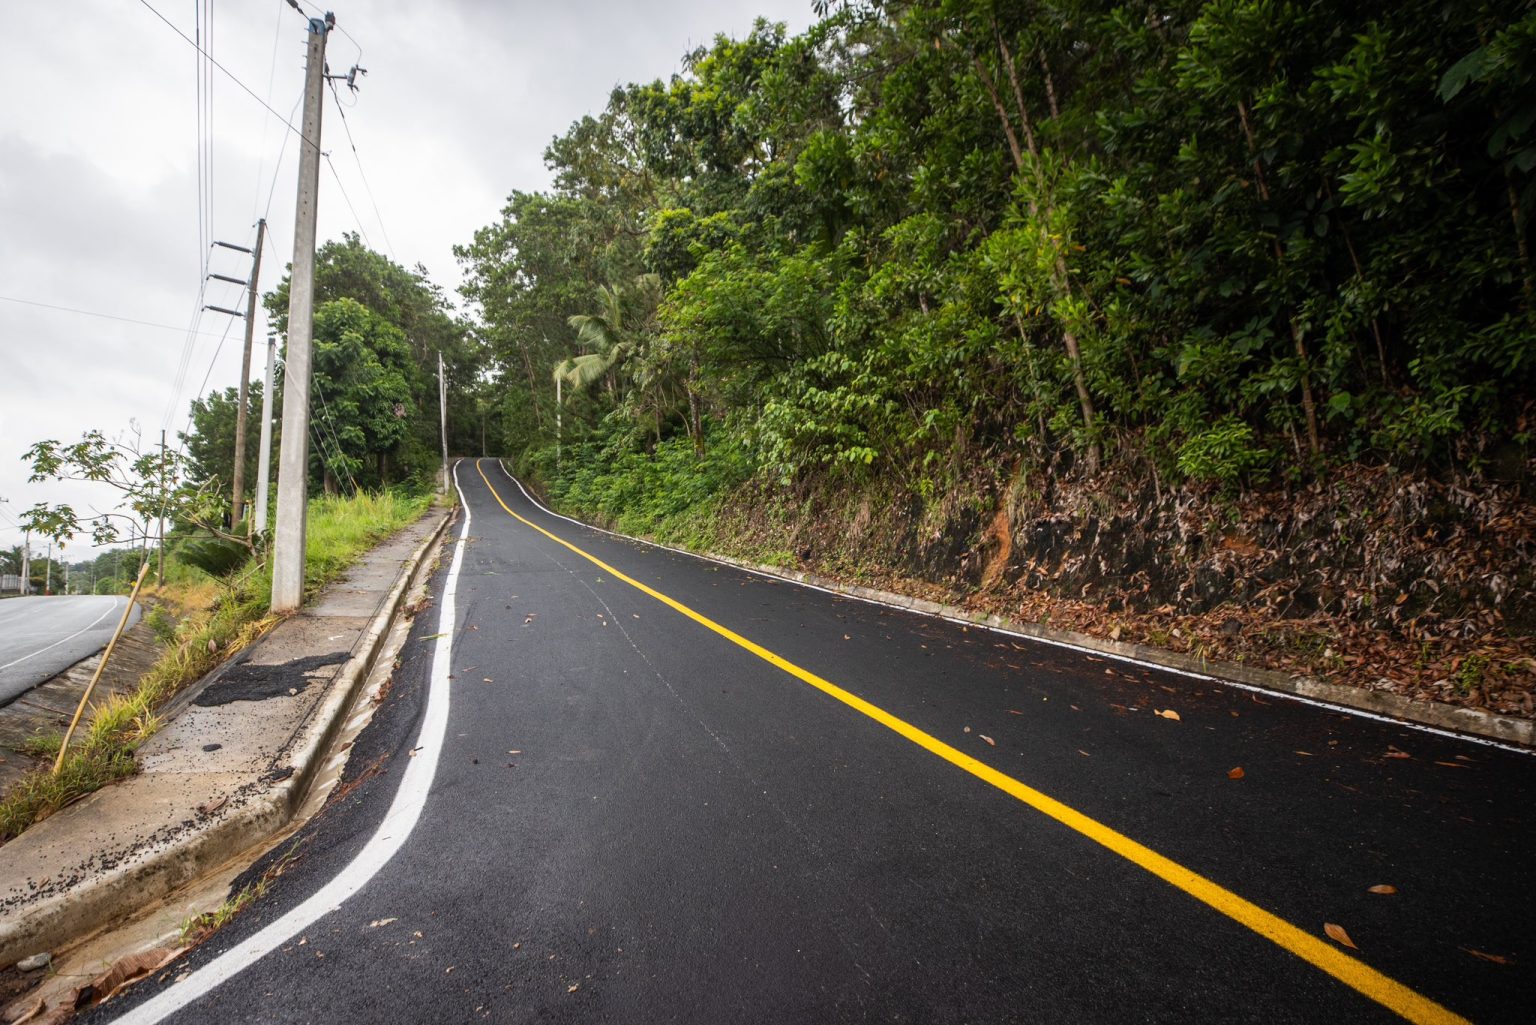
(217, 620)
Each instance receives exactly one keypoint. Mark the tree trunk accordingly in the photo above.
(1061, 282)
(695, 418)
(1308, 405)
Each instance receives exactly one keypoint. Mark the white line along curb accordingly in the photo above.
(386, 841)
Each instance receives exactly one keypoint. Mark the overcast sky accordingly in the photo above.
(99, 207)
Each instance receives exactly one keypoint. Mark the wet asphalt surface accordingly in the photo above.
(634, 820)
(43, 635)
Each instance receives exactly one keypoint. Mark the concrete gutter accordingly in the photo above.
(104, 887)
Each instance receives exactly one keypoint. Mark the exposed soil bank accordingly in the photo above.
(1422, 587)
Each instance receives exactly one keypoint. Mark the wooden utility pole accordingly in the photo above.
(293, 459)
(237, 501)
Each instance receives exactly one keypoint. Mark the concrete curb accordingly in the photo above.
(1467, 722)
(1474, 722)
(127, 887)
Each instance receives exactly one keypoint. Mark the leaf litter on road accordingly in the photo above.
(1338, 935)
(1384, 888)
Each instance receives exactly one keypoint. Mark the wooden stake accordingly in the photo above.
(122, 624)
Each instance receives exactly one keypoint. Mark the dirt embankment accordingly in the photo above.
(1423, 587)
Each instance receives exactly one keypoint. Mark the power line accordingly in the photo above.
(229, 74)
(103, 316)
(277, 36)
(355, 219)
(341, 109)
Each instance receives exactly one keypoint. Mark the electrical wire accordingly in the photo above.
(348, 199)
(341, 109)
(228, 74)
(103, 316)
(277, 37)
(325, 410)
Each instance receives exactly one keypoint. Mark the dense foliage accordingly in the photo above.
(374, 410)
(1215, 241)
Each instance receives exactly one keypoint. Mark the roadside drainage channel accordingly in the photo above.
(164, 839)
(157, 930)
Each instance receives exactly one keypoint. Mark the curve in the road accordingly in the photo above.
(1362, 978)
(391, 835)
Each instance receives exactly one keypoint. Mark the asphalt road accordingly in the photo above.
(732, 799)
(41, 636)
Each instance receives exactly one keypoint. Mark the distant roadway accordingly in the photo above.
(42, 636)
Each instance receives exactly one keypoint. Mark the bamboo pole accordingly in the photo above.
(100, 668)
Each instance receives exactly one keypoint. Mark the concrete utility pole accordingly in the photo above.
(48, 571)
(237, 503)
(293, 460)
(26, 563)
(442, 407)
(160, 550)
(264, 457)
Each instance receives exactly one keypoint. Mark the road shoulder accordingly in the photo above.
(232, 766)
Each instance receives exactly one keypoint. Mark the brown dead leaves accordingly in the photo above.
(1337, 934)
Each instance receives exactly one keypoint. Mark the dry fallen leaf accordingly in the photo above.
(988, 739)
(126, 972)
(1168, 713)
(1085, 754)
(1452, 765)
(32, 1012)
(573, 987)
(381, 921)
(1014, 711)
(1396, 752)
(212, 806)
(1495, 958)
(1381, 888)
(1338, 935)
(1236, 772)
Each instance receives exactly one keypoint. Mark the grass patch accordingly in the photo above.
(200, 927)
(217, 619)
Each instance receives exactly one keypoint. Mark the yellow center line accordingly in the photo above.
(1357, 975)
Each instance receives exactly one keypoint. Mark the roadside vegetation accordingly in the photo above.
(1210, 322)
(209, 619)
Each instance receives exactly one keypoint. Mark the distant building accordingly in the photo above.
(10, 583)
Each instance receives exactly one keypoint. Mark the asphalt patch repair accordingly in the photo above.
(247, 682)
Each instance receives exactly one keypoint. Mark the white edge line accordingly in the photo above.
(392, 832)
(1004, 631)
(77, 633)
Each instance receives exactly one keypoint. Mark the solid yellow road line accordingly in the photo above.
(1355, 974)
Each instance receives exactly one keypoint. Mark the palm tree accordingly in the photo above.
(610, 334)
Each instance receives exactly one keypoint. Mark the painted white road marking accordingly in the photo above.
(391, 835)
(110, 610)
